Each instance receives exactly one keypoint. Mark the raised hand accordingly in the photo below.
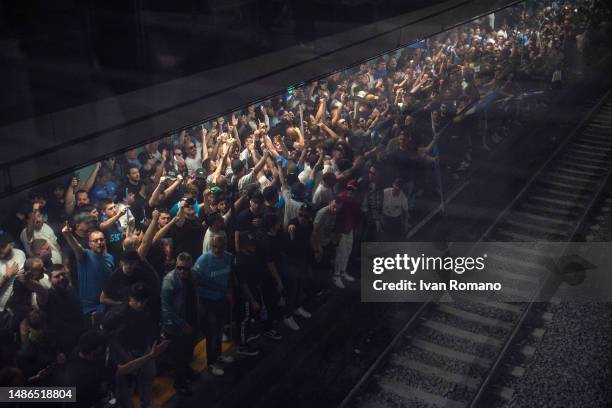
(66, 230)
(159, 347)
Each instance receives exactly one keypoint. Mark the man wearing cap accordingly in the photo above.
(116, 289)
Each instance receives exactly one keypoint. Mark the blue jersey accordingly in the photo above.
(93, 271)
(211, 275)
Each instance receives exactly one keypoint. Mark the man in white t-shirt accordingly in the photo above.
(324, 192)
(11, 262)
(244, 178)
(37, 229)
(193, 156)
(395, 212)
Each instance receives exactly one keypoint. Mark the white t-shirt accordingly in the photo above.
(19, 258)
(45, 232)
(393, 206)
(194, 164)
(292, 207)
(322, 195)
(246, 180)
(305, 174)
(208, 237)
(245, 155)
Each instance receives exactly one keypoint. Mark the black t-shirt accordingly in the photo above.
(244, 221)
(404, 162)
(249, 269)
(188, 238)
(63, 305)
(269, 247)
(117, 287)
(298, 250)
(157, 258)
(132, 188)
(36, 354)
(92, 379)
(137, 331)
(63, 309)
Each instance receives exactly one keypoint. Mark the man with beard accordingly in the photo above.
(94, 265)
(11, 262)
(63, 309)
(41, 249)
(36, 228)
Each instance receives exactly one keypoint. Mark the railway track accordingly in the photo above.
(449, 353)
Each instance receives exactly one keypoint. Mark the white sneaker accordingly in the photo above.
(290, 323)
(348, 277)
(226, 359)
(215, 370)
(300, 311)
(338, 282)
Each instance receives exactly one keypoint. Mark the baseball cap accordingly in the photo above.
(200, 173)
(171, 174)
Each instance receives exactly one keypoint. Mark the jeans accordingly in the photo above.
(294, 275)
(392, 227)
(343, 253)
(180, 354)
(213, 318)
(142, 379)
(249, 319)
(322, 267)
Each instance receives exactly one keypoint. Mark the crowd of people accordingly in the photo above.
(105, 281)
